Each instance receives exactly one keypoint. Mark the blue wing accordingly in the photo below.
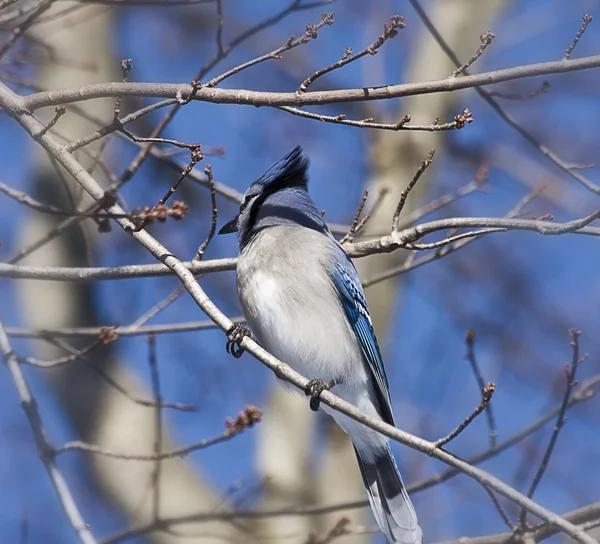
(346, 281)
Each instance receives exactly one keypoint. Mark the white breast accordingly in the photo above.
(292, 306)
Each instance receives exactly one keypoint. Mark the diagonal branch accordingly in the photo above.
(45, 449)
(486, 396)
(570, 372)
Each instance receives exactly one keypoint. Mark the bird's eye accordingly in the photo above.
(247, 199)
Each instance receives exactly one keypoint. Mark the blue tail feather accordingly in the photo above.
(389, 500)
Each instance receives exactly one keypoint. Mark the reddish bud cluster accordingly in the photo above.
(246, 418)
(463, 117)
(179, 209)
(390, 30)
(160, 212)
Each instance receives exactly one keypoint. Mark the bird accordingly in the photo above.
(303, 300)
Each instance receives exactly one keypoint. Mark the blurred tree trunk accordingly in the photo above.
(100, 414)
(283, 455)
(395, 156)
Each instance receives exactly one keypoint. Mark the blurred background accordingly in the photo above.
(520, 292)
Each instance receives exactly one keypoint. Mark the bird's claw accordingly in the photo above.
(235, 335)
(313, 389)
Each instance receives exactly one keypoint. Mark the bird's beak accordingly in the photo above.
(230, 227)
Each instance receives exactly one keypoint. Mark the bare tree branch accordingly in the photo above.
(249, 417)
(265, 98)
(46, 451)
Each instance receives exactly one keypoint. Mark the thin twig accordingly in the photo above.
(59, 111)
(213, 224)
(126, 66)
(470, 341)
(486, 40)
(196, 156)
(155, 379)
(361, 225)
(43, 240)
(115, 125)
(570, 372)
(446, 199)
(194, 147)
(390, 30)
(523, 96)
(247, 418)
(500, 508)
(168, 300)
(451, 239)
(30, 202)
(220, 49)
(350, 236)
(312, 32)
(459, 121)
(486, 396)
(32, 361)
(424, 165)
(587, 19)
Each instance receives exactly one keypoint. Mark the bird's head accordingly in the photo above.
(279, 197)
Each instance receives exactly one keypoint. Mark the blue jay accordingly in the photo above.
(302, 297)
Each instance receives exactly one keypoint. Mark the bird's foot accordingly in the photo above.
(235, 335)
(314, 388)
